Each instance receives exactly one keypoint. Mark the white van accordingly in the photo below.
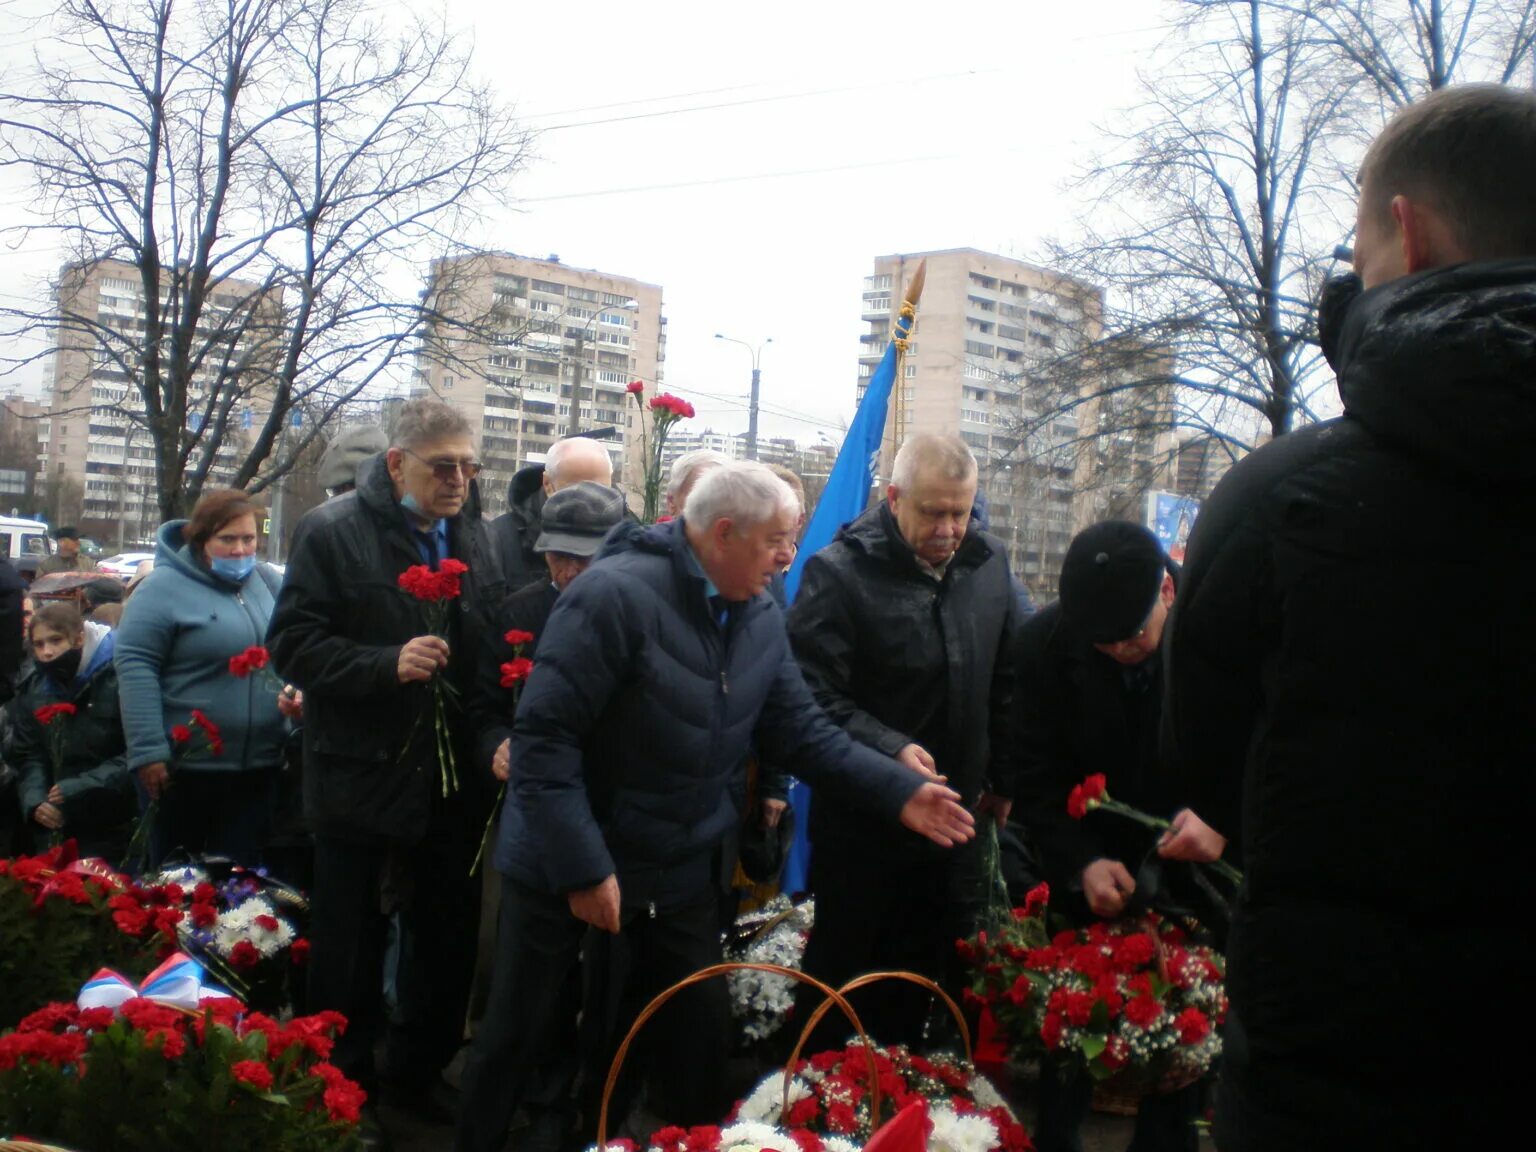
(24, 538)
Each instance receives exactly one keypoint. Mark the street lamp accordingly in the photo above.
(757, 376)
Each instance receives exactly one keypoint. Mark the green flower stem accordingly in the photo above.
(1158, 824)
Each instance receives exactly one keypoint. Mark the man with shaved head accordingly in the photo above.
(515, 533)
(1366, 736)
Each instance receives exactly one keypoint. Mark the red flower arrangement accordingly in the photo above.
(513, 674)
(1123, 995)
(665, 410)
(435, 589)
(75, 1076)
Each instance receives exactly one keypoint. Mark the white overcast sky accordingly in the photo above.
(844, 131)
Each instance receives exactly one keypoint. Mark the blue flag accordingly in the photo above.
(843, 499)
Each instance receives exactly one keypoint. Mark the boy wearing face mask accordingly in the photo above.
(73, 773)
(206, 600)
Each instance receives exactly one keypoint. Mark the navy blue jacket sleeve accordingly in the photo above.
(583, 658)
(794, 730)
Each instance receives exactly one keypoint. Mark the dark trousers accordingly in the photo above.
(215, 814)
(682, 1051)
(874, 914)
(357, 886)
(528, 1033)
(1164, 1122)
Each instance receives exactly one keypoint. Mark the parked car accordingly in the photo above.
(124, 564)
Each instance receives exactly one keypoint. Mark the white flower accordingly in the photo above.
(186, 878)
(955, 1133)
(755, 1136)
(762, 1106)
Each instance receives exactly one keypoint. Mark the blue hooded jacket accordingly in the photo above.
(178, 631)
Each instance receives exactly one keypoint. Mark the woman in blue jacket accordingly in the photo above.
(206, 601)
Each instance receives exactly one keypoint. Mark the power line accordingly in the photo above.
(774, 99)
(887, 163)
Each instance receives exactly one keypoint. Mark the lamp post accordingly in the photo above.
(757, 376)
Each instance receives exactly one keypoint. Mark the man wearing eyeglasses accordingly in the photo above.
(387, 839)
(1089, 699)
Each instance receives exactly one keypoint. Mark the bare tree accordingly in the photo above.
(1403, 49)
(1216, 216)
(1213, 217)
(273, 174)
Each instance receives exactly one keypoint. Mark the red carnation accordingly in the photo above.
(1143, 1011)
(1094, 788)
(1077, 805)
(842, 1118)
(635, 387)
(1193, 1026)
(1050, 1031)
(299, 951)
(802, 1112)
(266, 923)
(515, 672)
(254, 1073)
(517, 638)
(48, 713)
(1036, 900)
(203, 914)
(180, 734)
(244, 955)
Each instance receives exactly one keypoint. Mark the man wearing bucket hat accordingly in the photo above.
(1089, 699)
(573, 524)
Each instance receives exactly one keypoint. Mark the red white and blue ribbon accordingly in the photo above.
(177, 983)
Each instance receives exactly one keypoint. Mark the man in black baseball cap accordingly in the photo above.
(1089, 700)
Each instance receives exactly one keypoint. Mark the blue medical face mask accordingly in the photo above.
(235, 568)
(413, 506)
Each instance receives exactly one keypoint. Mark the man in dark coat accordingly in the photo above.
(902, 627)
(575, 520)
(516, 531)
(359, 648)
(657, 671)
(1089, 697)
(1351, 683)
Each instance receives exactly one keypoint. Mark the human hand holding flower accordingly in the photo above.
(421, 659)
(1191, 838)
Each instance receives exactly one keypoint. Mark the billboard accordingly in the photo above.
(1170, 517)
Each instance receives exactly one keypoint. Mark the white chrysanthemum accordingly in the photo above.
(762, 1106)
(754, 1136)
(761, 1001)
(839, 1144)
(955, 1133)
(239, 923)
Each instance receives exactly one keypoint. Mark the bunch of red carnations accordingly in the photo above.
(1131, 996)
(148, 1076)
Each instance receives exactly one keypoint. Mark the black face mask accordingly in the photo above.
(1339, 292)
(63, 667)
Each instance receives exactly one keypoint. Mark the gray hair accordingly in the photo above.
(687, 466)
(946, 455)
(743, 492)
(560, 449)
(427, 420)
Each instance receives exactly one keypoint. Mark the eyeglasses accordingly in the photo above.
(448, 469)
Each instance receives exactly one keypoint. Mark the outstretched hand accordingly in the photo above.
(935, 811)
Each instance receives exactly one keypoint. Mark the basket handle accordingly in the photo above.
(703, 974)
(853, 986)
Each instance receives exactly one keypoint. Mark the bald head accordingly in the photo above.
(575, 460)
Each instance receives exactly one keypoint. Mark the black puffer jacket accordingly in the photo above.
(516, 531)
(895, 656)
(629, 748)
(1352, 688)
(340, 622)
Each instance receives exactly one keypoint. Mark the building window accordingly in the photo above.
(911, 371)
(880, 283)
(877, 304)
(549, 286)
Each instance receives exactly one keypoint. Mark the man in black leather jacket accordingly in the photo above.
(361, 650)
(902, 626)
(1351, 683)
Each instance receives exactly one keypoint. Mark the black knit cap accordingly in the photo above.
(1110, 580)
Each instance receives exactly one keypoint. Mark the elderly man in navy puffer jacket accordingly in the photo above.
(658, 670)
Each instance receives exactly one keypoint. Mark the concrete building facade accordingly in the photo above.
(532, 350)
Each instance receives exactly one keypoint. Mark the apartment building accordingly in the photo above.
(988, 326)
(535, 350)
(95, 458)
